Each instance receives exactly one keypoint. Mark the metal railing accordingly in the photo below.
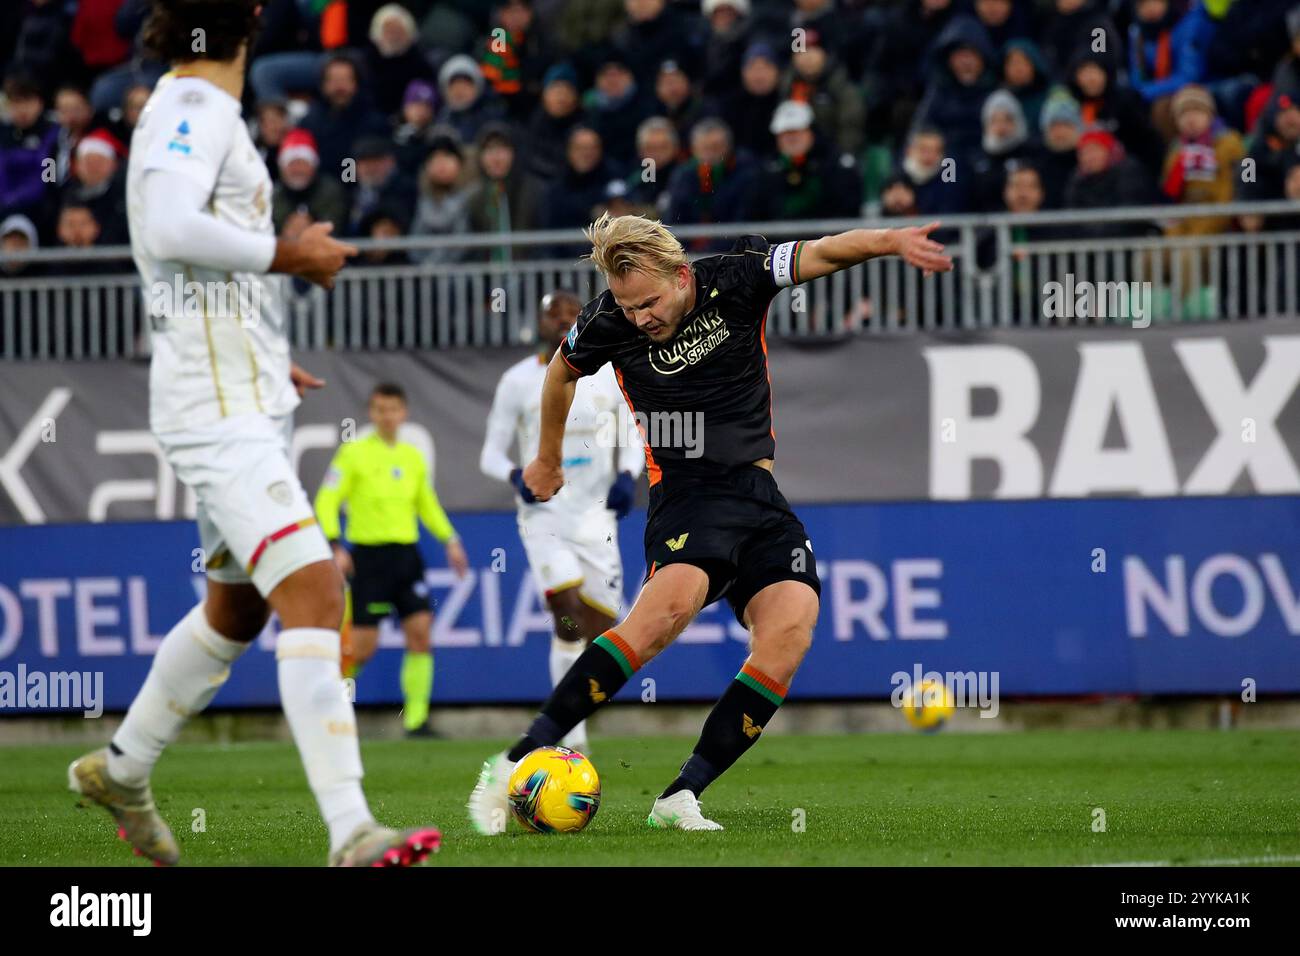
(1004, 268)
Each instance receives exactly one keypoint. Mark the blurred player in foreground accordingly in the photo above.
(688, 345)
(572, 539)
(386, 485)
(221, 393)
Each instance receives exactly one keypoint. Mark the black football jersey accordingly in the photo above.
(702, 400)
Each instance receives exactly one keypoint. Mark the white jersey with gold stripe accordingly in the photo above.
(219, 338)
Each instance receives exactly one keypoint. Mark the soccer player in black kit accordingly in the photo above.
(688, 339)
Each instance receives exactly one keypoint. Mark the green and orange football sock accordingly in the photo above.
(417, 688)
(595, 677)
(732, 727)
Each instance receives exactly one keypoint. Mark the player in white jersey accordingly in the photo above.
(572, 539)
(222, 389)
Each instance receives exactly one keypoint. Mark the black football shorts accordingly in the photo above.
(387, 579)
(736, 526)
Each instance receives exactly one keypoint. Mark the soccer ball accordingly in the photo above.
(554, 790)
(928, 706)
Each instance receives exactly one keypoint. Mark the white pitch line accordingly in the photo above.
(1239, 861)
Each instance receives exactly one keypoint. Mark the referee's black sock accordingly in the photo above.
(596, 676)
(732, 727)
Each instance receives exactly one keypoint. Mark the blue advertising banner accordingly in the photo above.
(1046, 597)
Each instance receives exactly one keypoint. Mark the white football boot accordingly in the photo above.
(681, 811)
(489, 804)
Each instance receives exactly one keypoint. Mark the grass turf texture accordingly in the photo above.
(1006, 799)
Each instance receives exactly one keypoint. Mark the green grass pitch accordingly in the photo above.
(1006, 799)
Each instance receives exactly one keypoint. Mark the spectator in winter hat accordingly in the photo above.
(393, 57)
(1060, 126)
(1006, 140)
(1204, 162)
(749, 108)
(98, 182)
(304, 194)
(961, 83)
(380, 181)
(554, 118)
(466, 102)
(729, 34)
(416, 131)
(18, 234)
(1107, 178)
(806, 179)
(1105, 103)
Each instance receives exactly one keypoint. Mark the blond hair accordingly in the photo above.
(623, 244)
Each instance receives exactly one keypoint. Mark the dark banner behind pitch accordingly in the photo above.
(1056, 413)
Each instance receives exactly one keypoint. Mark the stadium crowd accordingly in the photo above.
(451, 117)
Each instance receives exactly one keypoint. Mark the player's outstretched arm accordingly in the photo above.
(178, 229)
(545, 474)
(846, 249)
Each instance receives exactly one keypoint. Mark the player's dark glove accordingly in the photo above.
(517, 479)
(621, 495)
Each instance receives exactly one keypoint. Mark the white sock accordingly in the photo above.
(189, 668)
(564, 654)
(324, 727)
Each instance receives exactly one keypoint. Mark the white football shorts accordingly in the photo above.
(576, 550)
(255, 520)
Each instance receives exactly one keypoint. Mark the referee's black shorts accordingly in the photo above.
(387, 579)
(736, 526)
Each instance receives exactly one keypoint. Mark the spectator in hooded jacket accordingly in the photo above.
(1105, 104)
(1026, 75)
(467, 102)
(962, 57)
(1060, 127)
(675, 98)
(559, 111)
(895, 77)
(18, 234)
(730, 31)
(1275, 143)
(806, 179)
(818, 78)
(749, 108)
(506, 197)
(616, 104)
(416, 130)
(1006, 140)
(443, 206)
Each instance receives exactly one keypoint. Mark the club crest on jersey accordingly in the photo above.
(693, 344)
(280, 493)
(181, 141)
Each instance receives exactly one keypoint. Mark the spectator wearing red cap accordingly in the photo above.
(1107, 178)
(305, 193)
(99, 183)
(1275, 143)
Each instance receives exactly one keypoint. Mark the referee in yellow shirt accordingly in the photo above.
(386, 485)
